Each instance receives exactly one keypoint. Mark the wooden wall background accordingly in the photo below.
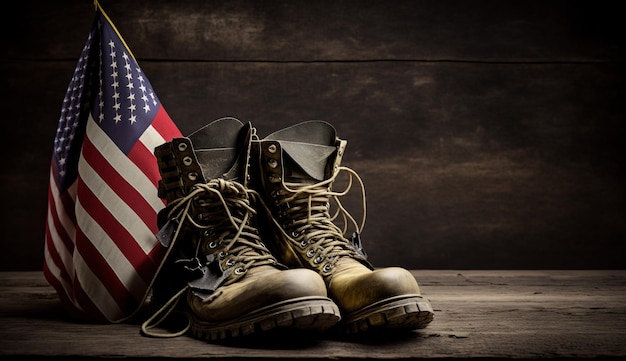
(489, 134)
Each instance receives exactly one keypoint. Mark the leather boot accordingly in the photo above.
(217, 262)
(297, 167)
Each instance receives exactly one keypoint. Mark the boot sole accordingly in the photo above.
(398, 313)
(304, 314)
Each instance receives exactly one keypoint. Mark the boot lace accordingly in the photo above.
(221, 212)
(304, 211)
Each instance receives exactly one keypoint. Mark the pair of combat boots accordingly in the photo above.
(252, 245)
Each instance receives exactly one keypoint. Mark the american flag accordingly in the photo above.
(101, 254)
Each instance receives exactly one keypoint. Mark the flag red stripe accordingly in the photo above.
(64, 279)
(95, 261)
(70, 307)
(164, 125)
(90, 310)
(122, 188)
(56, 258)
(54, 218)
(66, 203)
(157, 253)
(103, 271)
(67, 207)
(143, 156)
(145, 160)
(116, 231)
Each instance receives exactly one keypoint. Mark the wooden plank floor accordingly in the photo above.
(478, 314)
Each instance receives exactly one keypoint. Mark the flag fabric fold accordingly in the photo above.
(101, 254)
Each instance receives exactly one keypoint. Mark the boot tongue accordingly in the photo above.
(307, 147)
(219, 147)
(304, 161)
(222, 133)
(217, 163)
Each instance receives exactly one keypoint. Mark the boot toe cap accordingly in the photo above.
(354, 292)
(258, 290)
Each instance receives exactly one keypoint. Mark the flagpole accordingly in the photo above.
(98, 7)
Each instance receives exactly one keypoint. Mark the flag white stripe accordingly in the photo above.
(68, 226)
(96, 290)
(127, 217)
(127, 169)
(63, 254)
(151, 139)
(121, 211)
(64, 219)
(61, 250)
(102, 242)
(56, 273)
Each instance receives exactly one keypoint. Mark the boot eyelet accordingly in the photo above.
(222, 254)
(327, 267)
(310, 253)
(187, 161)
(272, 148)
(272, 163)
(213, 244)
(239, 270)
(304, 243)
(182, 147)
(230, 262)
(318, 259)
(192, 176)
(295, 234)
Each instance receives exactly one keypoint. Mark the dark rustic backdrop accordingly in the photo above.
(489, 134)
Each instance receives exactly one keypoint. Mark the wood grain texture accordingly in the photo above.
(525, 314)
(489, 134)
(345, 30)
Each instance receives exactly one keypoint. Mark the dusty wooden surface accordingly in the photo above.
(478, 314)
